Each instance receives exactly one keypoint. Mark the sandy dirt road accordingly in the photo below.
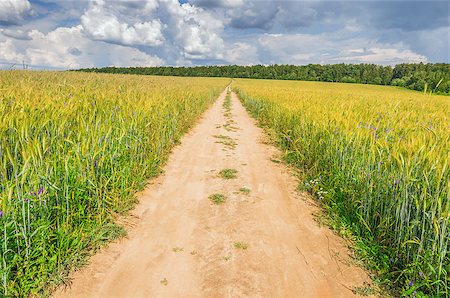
(261, 244)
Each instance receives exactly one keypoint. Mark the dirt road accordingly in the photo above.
(261, 242)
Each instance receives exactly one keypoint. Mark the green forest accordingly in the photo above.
(416, 76)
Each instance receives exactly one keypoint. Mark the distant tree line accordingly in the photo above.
(429, 77)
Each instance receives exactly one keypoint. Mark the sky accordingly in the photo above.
(63, 34)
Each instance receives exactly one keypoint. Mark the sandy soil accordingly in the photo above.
(180, 244)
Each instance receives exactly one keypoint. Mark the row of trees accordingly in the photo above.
(430, 77)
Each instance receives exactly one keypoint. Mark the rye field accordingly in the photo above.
(74, 149)
(377, 158)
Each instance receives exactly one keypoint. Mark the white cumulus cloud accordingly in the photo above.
(17, 34)
(69, 48)
(12, 11)
(101, 24)
(194, 30)
(182, 31)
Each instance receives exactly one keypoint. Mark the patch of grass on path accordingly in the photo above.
(217, 198)
(245, 190)
(240, 245)
(227, 141)
(222, 137)
(228, 173)
(227, 102)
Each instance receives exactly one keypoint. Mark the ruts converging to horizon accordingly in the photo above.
(258, 240)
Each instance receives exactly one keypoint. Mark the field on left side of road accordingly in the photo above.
(74, 149)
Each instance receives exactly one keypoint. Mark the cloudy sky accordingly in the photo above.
(61, 34)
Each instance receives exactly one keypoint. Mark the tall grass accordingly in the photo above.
(378, 160)
(74, 148)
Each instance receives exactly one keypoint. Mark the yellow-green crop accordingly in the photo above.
(378, 159)
(74, 148)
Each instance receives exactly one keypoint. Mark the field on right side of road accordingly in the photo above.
(377, 158)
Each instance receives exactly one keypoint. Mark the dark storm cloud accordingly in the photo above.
(408, 15)
(253, 14)
(296, 14)
(244, 14)
(9, 23)
(74, 51)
